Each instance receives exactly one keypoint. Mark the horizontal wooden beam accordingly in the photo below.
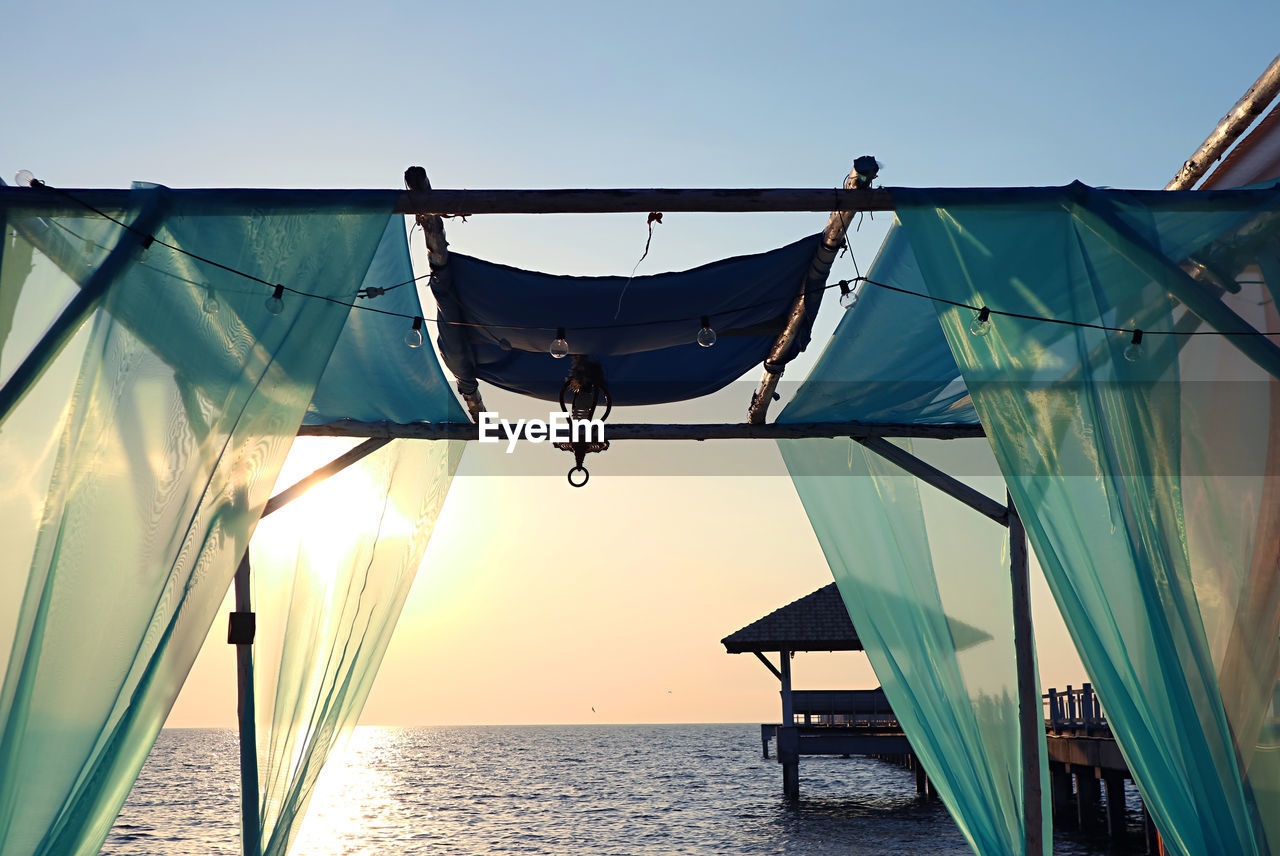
(466, 202)
(45, 202)
(654, 431)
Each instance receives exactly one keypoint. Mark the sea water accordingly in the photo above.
(554, 790)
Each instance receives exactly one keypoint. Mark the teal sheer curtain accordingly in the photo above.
(926, 582)
(1149, 476)
(150, 401)
(331, 572)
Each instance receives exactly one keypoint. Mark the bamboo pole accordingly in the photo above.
(859, 178)
(450, 308)
(1030, 716)
(653, 431)
(1236, 122)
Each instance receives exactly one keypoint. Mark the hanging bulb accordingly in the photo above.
(1134, 352)
(24, 178)
(981, 325)
(848, 296)
(210, 304)
(275, 303)
(706, 336)
(414, 337)
(559, 348)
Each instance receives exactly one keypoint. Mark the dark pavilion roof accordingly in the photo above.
(815, 622)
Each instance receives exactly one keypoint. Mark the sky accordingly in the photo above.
(537, 602)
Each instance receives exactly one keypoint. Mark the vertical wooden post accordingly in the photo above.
(1114, 783)
(788, 737)
(240, 632)
(1088, 793)
(1030, 717)
(1060, 792)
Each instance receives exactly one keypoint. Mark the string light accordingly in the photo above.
(414, 337)
(706, 336)
(210, 303)
(980, 326)
(559, 347)
(1133, 353)
(275, 303)
(848, 296)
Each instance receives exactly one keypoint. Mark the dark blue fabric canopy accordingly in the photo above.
(642, 331)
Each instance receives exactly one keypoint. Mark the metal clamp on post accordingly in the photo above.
(241, 627)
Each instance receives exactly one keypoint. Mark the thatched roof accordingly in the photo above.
(815, 622)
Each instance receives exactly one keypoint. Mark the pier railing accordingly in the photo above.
(843, 708)
(1074, 711)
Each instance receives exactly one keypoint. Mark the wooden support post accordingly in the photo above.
(788, 715)
(1114, 782)
(922, 782)
(789, 757)
(1088, 794)
(1060, 792)
(240, 632)
(766, 731)
(1030, 713)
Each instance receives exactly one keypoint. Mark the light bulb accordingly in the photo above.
(981, 324)
(1134, 352)
(559, 348)
(210, 304)
(275, 303)
(706, 336)
(24, 177)
(848, 296)
(414, 337)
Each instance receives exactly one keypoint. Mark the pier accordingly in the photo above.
(1087, 771)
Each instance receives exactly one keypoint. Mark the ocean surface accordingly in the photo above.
(562, 790)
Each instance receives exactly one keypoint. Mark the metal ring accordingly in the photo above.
(586, 476)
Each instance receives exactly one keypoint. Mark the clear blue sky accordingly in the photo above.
(647, 94)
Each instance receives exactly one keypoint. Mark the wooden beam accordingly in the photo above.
(1237, 121)
(930, 474)
(763, 659)
(1030, 709)
(457, 203)
(655, 431)
(1129, 244)
(337, 465)
(250, 822)
(81, 306)
(819, 268)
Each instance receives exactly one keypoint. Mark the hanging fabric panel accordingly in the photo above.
(927, 585)
(373, 375)
(642, 330)
(331, 572)
(135, 461)
(887, 360)
(1149, 474)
